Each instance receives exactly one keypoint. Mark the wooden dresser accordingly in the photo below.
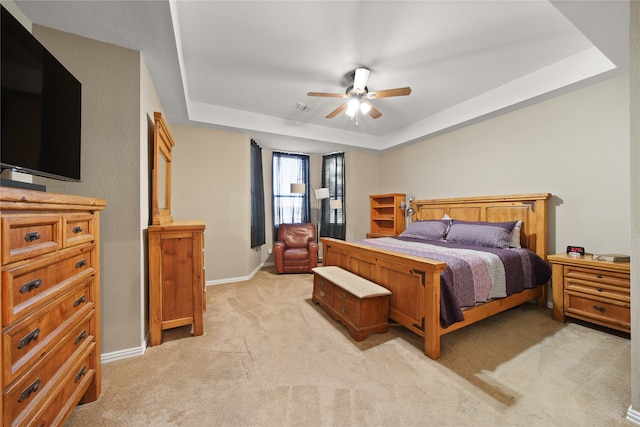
(176, 277)
(50, 305)
(594, 291)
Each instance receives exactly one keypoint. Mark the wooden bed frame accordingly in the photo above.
(415, 282)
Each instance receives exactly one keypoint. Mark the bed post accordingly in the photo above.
(432, 315)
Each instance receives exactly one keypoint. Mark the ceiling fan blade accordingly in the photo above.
(328, 95)
(374, 112)
(401, 91)
(360, 79)
(337, 111)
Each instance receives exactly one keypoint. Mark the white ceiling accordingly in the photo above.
(244, 65)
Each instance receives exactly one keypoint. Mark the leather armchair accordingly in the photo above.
(296, 250)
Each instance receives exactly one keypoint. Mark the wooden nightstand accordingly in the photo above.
(594, 291)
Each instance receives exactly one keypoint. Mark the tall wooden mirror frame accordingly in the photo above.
(162, 145)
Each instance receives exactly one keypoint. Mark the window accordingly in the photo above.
(290, 207)
(333, 222)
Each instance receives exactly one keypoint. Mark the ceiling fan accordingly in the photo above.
(359, 96)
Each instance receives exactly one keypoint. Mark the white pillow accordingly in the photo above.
(515, 236)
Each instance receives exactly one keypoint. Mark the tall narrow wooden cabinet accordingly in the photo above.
(387, 218)
(176, 277)
(50, 305)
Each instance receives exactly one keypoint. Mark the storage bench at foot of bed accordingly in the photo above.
(359, 304)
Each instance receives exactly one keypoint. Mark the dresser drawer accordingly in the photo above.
(78, 229)
(345, 303)
(28, 391)
(27, 287)
(595, 277)
(598, 310)
(323, 290)
(28, 340)
(65, 393)
(28, 237)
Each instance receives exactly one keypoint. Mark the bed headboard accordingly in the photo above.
(531, 209)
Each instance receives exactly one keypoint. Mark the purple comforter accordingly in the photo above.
(473, 274)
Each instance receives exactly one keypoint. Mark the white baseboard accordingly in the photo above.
(122, 354)
(633, 416)
(240, 278)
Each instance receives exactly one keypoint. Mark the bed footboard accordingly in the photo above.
(414, 284)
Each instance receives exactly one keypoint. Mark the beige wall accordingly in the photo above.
(111, 161)
(149, 104)
(364, 177)
(634, 51)
(575, 146)
(211, 181)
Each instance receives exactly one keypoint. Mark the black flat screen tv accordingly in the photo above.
(41, 107)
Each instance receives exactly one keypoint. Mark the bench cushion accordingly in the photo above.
(354, 284)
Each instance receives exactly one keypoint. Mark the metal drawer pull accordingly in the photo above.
(80, 374)
(322, 282)
(29, 286)
(599, 289)
(344, 295)
(27, 391)
(32, 336)
(344, 310)
(322, 294)
(79, 301)
(600, 308)
(80, 337)
(32, 236)
(77, 230)
(599, 276)
(81, 264)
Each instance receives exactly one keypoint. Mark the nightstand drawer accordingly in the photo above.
(597, 277)
(600, 290)
(601, 311)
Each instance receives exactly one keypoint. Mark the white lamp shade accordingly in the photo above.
(298, 188)
(322, 193)
(335, 204)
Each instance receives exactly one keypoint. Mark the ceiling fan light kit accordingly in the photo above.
(358, 96)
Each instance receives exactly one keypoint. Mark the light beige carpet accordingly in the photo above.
(269, 357)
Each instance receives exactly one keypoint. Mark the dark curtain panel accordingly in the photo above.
(258, 234)
(288, 208)
(333, 221)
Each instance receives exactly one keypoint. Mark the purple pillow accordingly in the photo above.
(489, 234)
(427, 230)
